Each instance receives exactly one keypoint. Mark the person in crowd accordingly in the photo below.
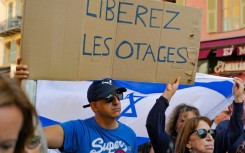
(100, 133)
(165, 141)
(241, 148)
(160, 139)
(144, 148)
(230, 133)
(196, 136)
(16, 117)
(179, 115)
(37, 143)
(222, 116)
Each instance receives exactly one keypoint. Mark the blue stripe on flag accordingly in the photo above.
(47, 122)
(148, 88)
(142, 140)
(223, 87)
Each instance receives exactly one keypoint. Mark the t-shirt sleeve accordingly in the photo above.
(71, 131)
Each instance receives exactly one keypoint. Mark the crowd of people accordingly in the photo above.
(185, 131)
(173, 139)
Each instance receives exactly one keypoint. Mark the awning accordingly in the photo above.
(223, 52)
(222, 43)
(240, 50)
(223, 47)
(203, 54)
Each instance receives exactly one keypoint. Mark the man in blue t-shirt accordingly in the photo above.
(101, 133)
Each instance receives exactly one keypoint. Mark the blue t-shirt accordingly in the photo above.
(86, 136)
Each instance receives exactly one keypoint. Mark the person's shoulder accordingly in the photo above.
(76, 122)
(222, 125)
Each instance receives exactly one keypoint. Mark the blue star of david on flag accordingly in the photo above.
(133, 99)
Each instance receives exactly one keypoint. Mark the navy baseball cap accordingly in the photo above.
(101, 89)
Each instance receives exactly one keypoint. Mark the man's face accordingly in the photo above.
(224, 115)
(109, 107)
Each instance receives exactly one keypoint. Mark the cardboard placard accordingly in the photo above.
(150, 41)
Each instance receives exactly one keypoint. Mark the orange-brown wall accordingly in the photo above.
(213, 36)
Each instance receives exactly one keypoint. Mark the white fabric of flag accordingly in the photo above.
(60, 101)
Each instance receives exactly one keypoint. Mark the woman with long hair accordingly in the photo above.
(196, 136)
(16, 117)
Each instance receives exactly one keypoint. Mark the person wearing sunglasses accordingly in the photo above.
(163, 142)
(230, 133)
(196, 136)
(100, 133)
(178, 116)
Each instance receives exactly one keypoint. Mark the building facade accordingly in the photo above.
(2, 17)
(10, 28)
(222, 47)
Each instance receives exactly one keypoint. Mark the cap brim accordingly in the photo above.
(85, 106)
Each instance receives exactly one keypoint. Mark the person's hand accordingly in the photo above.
(171, 89)
(21, 71)
(238, 90)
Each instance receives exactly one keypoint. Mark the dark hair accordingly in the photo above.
(11, 94)
(185, 130)
(181, 108)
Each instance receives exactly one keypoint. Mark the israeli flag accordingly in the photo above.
(60, 101)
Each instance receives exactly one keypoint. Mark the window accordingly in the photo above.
(182, 2)
(242, 12)
(211, 16)
(231, 15)
(19, 7)
(12, 54)
(6, 54)
(10, 10)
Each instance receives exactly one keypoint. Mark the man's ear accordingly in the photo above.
(93, 106)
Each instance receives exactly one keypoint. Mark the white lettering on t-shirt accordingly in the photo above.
(99, 145)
